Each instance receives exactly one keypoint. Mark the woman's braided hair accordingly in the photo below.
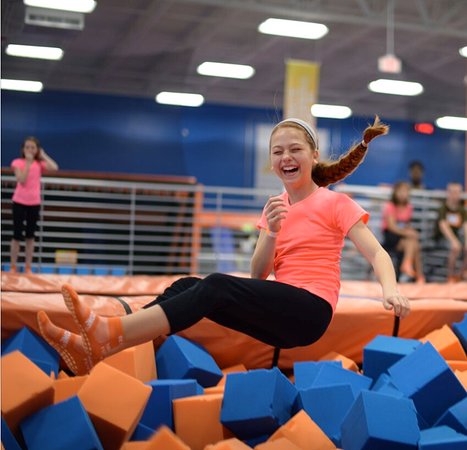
(329, 172)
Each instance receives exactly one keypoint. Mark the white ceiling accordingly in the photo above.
(141, 47)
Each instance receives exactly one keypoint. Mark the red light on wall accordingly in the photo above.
(424, 128)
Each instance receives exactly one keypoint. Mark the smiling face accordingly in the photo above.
(30, 148)
(292, 156)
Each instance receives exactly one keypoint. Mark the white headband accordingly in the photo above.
(304, 125)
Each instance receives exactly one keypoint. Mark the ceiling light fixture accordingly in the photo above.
(179, 99)
(34, 51)
(452, 123)
(331, 111)
(81, 6)
(390, 63)
(395, 87)
(21, 85)
(216, 69)
(463, 51)
(293, 28)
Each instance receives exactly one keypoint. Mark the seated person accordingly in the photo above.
(398, 233)
(451, 230)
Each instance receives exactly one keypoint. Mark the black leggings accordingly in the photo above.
(275, 313)
(21, 214)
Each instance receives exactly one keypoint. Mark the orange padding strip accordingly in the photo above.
(358, 318)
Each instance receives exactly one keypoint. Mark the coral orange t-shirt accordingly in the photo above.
(309, 244)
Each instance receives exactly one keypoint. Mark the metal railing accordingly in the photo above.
(100, 226)
(105, 227)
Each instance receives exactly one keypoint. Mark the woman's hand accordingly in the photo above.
(399, 303)
(276, 212)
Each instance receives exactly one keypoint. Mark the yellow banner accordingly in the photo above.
(301, 89)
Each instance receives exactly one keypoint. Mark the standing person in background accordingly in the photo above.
(399, 235)
(451, 230)
(416, 174)
(27, 197)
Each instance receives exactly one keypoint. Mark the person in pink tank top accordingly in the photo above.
(399, 234)
(27, 198)
(301, 236)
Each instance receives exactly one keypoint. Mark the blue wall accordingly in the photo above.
(213, 143)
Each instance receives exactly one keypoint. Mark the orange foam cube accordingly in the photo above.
(135, 445)
(162, 439)
(138, 361)
(115, 403)
(446, 342)
(25, 389)
(228, 444)
(462, 377)
(347, 363)
(215, 389)
(65, 388)
(232, 369)
(197, 420)
(304, 433)
(62, 374)
(457, 365)
(278, 444)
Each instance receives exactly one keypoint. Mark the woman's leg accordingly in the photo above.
(275, 313)
(18, 220)
(32, 216)
(409, 247)
(14, 252)
(29, 253)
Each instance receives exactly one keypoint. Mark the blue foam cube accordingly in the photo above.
(35, 348)
(425, 377)
(330, 374)
(65, 425)
(383, 351)
(159, 410)
(384, 385)
(8, 440)
(327, 406)
(179, 358)
(460, 330)
(257, 402)
(142, 433)
(455, 417)
(442, 438)
(305, 372)
(380, 421)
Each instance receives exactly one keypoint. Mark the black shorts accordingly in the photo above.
(25, 218)
(391, 240)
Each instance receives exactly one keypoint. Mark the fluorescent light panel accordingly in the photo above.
(452, 123)
(179, 99)
(34, 51)
(293, 28)
(395, 87)
(216, 69)
(81, 6)
(21, 85)
(463, 51)
(330, 111)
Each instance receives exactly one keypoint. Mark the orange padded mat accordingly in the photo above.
(359, 316)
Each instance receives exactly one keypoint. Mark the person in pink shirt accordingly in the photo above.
(301, 235)
(27, 198)
(399, 234)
